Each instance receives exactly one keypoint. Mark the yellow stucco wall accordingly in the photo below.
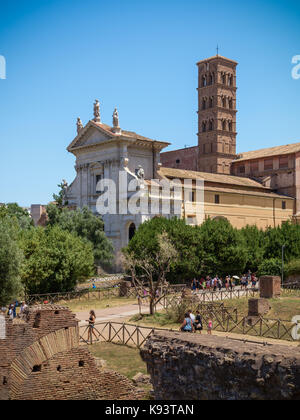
(242, 209)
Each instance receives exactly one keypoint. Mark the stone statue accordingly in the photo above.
(116, 118)
(140, 173)
(97, 111)
(79, 125)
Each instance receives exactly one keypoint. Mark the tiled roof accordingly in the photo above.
(217, 178)
(269, 152)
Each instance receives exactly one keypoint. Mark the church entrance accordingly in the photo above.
(131, 232)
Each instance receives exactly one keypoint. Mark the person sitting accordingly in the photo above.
(187, 325)
(198, 322)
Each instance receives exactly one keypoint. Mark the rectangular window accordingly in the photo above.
(254, 166)
(284, 205)
(191, 220)
(283, 162)
(268, 164)
(217, 199)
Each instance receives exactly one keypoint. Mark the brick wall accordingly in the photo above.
(41, 358)
(181, 159)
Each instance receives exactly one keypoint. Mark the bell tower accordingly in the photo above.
(216, 114)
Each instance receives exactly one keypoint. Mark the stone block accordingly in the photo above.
(258, 307)
(270, 287)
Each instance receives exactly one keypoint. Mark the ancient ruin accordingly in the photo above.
(42, 359)
(199, 367)
(270, 287)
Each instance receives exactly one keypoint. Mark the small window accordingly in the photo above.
(217, 199)
(37, 368)
(284, 205)
(241, 169)
(81, 363)
(283, 162)
(4, 380)
(268, 164)
(59, 369)
(177, 161)
(193, 196)
(56, 313)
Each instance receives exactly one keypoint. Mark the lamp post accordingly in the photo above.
(282, 269)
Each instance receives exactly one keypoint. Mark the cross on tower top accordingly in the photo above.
(217, 50)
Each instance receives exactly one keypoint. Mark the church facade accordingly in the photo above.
(244, 189)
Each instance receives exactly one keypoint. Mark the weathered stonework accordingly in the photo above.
(197, 367)
(41, 359)
(270, 287)
(258, 307)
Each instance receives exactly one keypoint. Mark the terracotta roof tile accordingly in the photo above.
(272, 151)
(217, 178)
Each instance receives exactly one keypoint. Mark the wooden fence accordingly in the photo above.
(116, 332)
(135, 336)
(211, 297)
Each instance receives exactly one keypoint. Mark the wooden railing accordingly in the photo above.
(135, 336)
(115, 332)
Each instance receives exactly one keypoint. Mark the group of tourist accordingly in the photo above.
(213, 284)
(11, 311)
(193, 323)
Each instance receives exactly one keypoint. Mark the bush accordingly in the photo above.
(271, 267)
(55, 260)
(293, 268)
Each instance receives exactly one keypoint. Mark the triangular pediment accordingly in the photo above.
(91, 134)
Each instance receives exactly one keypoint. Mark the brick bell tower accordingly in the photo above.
(216, 114)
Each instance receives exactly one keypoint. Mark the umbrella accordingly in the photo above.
(236, 277)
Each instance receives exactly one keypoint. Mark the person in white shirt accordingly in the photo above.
(192, 316)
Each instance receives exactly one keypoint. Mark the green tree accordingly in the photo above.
(55, 260)
(17, 213)
(223, 250)
(287, 234)
(270, 267)
(182, 236)
(11, 259)
(254, 242)
(86, 225)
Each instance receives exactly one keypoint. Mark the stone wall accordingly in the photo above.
(41, 359)
(197, 367)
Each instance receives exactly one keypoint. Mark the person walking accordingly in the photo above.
(91, 330)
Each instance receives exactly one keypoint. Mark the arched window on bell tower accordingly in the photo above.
(211, 125)
(204, 126)
(224, 125)
(224, 101)
(211, 101)
(203, 103)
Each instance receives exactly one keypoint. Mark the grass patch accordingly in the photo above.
(284, 308)
(158, 320)
(122, 359)
(77, 305)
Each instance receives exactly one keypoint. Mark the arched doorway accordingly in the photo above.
(131, 231)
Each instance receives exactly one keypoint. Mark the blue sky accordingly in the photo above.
(138, 56)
